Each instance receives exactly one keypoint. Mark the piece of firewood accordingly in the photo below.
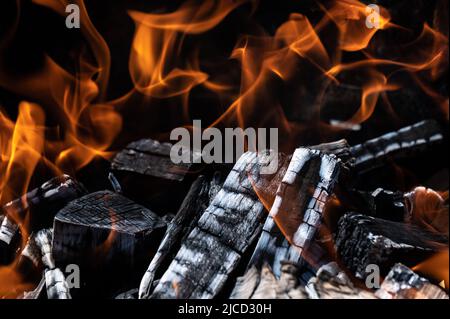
(380, 203)
(332, 283)
(226, 229)
(262, 284)
(197, 200)
(147, 175)
(403, 283)
(363, 240)
(402, 143)
(57, 287)
(297, 210)
(39, 206)
(106, 234)
(37, 293)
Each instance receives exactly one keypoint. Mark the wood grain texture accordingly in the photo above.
(297, 210)
(197, 200)
(404, 142)
(213, 249)
(362, 240)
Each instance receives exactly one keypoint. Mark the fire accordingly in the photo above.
(290, 68)
(436, 267)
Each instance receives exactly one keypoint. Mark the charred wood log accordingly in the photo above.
(40, 204)
(197, 200)
(403, 283)
(262, 284)
(363, 240)
(402, 143)
(380, 203)
(147, 175)
(332, 283)
(226, 229)
(37, 293)
(57, 287)
(297, 210)
(107, 235)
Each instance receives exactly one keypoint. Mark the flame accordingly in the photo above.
(436, 267)
(428, 209)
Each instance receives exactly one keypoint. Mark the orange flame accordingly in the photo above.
(436, 267)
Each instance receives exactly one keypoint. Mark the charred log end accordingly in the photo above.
(107, 235)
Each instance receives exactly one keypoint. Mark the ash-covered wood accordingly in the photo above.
(403, 283)
(226, 229)
(339, 148)
(362, 240)
(262, 284)
(402, 143)
(297, 210)
(332, 283)
(39, 206)
(106, 234)
(37, 293)
(145, 173)
(57, 287)
(197, 200)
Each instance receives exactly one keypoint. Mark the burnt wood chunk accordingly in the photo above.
(332, 283)
(214, 248)
(147, 175)
(57, 287)
(297, 210)
(363, 240)
(262, 284)
(106, 234)
(381, 203)
(339, 148)
(403, 283)
(197, 200)
(38, 207)
(402, 143)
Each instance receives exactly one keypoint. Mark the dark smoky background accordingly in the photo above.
(41, 31)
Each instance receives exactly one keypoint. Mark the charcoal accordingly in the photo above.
(399, 144)
(363, 240)
(106, 234)
(262, 284)
(57, 287)
(332, 283)
(213, 249)
(146, 174)
(130, 294)
(40, 204)
(297, 209)
(196, 201)
(381, 203)
(339, 148)
(403, 283)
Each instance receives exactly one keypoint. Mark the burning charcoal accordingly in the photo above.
(197, 200)
(57, 287)
(214, 248)
(382, 203)
(402, 143)
(107, 235)
(263, 284)
(298, 208)
(340, 149)
(403, 283)
(130, 294)
(147, 175)
(363, 240)
(333, 283)
(41, 204)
